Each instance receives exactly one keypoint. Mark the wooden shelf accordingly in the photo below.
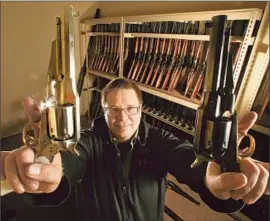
(102, 21)
(172, 123)
(101, 74)
(100, 33)
(173, 96)
(261, 129)
(241, 14)
(234, 39)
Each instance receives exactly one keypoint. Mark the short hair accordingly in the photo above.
(120, 83)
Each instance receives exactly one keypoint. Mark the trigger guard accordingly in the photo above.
(248, 152)
(27, 139)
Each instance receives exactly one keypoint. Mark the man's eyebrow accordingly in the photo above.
(129, 105)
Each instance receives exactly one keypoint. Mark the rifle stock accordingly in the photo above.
(135, 58)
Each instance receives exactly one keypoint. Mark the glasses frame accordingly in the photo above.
(106, 110)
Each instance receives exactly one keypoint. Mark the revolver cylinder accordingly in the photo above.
(61, 122)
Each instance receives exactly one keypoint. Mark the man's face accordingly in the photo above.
(119, 122)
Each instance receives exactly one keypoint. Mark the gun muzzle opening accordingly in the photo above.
(61, 125)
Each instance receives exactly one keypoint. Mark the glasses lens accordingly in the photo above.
(131, 110)
(114, 111)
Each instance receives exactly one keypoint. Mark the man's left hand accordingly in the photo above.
(250, 184)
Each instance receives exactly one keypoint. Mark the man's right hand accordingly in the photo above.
(23, 171)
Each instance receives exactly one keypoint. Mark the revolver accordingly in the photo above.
(216, 131)
(60, 115)
(59, 127)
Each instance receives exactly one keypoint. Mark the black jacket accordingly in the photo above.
(133, 190)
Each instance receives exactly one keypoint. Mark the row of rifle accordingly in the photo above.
(170, 111)
(95, 109)
(105, 54)
(168, 64)
(171, 64)
(159, 124)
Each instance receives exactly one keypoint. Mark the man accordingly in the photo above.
(123, 163)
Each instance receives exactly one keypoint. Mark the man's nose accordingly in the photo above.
(122, 114)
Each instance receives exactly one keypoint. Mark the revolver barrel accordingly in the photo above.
(61, 110)
(213, 130)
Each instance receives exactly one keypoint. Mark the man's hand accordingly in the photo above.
(250, 184)
(23, 171)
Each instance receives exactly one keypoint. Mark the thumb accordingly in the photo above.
(247, 122)
(31, 110)
(33, 113)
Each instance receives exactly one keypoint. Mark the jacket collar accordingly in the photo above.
(100, 127)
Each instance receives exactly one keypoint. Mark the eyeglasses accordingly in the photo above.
(115, 111)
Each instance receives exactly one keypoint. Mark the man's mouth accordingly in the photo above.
(122, 126)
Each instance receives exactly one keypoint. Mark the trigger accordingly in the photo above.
(248, 151)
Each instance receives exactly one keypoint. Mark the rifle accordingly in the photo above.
(216, 136)
(135, 57)
(110, 53)
(113, 50)
(198, 85)
(165, 63)
(115, 64)
(126, 53)
(139, 58)
(116, 56)
(102, 41)
(175, 58)
(97, 48)
(150, 55)
(171, 67)
(181, 60)
(195, 66)
(170, 27)
(83, 68)
(189, 59)
(181, 63)
(141, 62)
(105, 49)
(158, 29)
(161, 55)
(145, 58)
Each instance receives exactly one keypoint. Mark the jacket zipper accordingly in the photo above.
(125, 172)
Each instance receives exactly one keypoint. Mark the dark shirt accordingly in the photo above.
(117, 189)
